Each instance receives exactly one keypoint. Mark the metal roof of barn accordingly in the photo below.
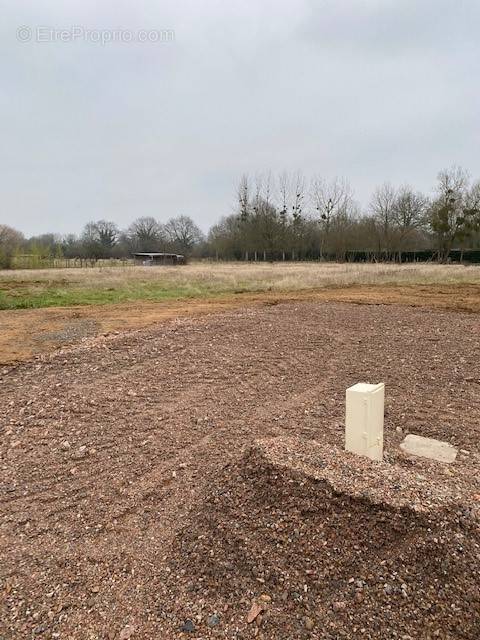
(158, 255)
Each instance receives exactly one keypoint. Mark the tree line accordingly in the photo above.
(292, 218)
(288, 217)
(104, 239)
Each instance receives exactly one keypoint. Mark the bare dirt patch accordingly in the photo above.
(24, 333)
(111, 448)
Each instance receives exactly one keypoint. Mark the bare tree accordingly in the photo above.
(283, 197)
(331, 199)
(99, 239)
(409, 215)
(258, 200)
(264, 189)
(102, 233)
(10, 241)
(10, 238)
(283, 194)
(453, 181)
(244, 197)
(146, 234)
(183, 233)
(244, 206)
(471, 216)
(382, 207)
(298, 184)
(267, 188)
(267, 229)
(450, 215)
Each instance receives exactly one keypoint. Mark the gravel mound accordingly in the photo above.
(299, 539)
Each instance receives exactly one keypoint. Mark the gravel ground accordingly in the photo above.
(312, 541)
(116, 501)
(74, 331)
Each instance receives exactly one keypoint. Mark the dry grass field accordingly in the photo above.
(60, 287)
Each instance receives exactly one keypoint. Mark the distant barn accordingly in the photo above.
(153, 259)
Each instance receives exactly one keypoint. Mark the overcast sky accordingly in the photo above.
(373, 90)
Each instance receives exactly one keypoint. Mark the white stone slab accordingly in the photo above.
(429, 448)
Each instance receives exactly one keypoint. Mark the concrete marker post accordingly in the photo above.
(364, 420)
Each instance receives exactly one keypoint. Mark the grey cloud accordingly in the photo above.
(373, 90)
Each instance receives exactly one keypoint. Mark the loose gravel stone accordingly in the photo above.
(188, 626)
(213, 621)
